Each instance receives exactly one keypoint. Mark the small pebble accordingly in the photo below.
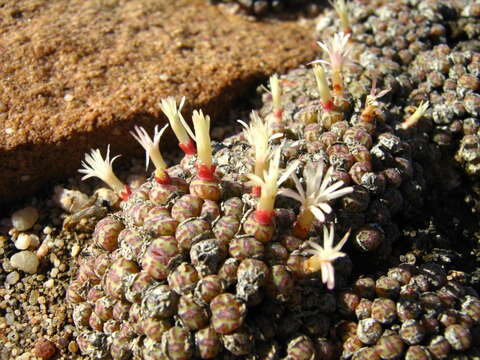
(25, 218)
(107, 195)
(75, 250)
(42, 250)
(70, 200)
(49, 284)
(72, 347)
(34, 241)
(26, 261)
(33, 298)
(23, 241)
(12, 278)
(47, 230)
(45, 349)
(59, 243)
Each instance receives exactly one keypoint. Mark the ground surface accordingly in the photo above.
(75, 73)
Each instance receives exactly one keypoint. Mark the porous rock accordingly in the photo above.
(75, 73)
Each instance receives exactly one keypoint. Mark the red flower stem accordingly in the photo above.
(188, 148)
(256, 191)
(125, 194)
(328, 106)
(264, 217)
(206, 172)
(163, 179)
(277, 113)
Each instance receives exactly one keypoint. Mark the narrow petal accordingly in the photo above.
(316, 246)
(329, 238)
(327, 209)
(255, 179)
(342, 242)
(317, 213)
(333, 187)
(325, 272)
(291, 194)
(331, 276)
(339, 193)
(288, 171)
(299, 187)
(326, 179)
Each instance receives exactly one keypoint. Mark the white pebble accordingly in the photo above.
(49, 283)
(25, 218)
(59, 243)
(47, 230)
(26, 261)
(34, 241)
(23, 241)
(70, 200)
(75, 250)
(43, 250)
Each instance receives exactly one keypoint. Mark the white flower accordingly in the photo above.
(341, 8)
(323, 257)
(258, 134)
(152, 147)
(95, 166)
(318, 191)
(271, 180)
(338, 50)
(169, 108)
(201, 124)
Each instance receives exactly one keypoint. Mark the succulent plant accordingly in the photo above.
(200, 262)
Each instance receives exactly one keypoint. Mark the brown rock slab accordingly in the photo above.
(79, 74)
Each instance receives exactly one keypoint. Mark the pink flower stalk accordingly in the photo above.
(338, 51)
(323, 257)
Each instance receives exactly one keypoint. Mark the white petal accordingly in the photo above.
(342, 242)
(333, 187)
(331, 276)
(257, 180)
(324, 269)
(317, 213)
(288, 171)
(326, 179)
(318, 248)
(339, 193)
(291, 194)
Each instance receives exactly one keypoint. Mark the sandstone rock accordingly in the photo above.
(79, 74)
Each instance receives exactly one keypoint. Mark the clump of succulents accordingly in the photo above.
(242, 252)
(178, 269)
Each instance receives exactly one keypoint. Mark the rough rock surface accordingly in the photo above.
(77, 74)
